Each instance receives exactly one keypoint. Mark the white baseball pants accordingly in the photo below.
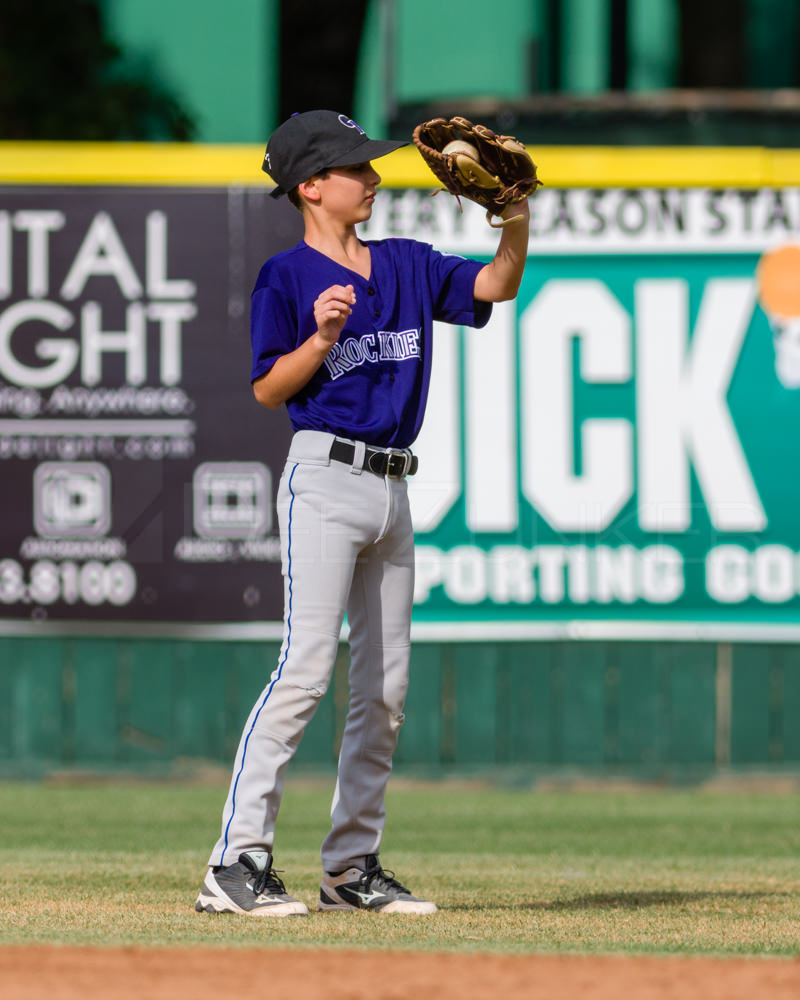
(347, 545)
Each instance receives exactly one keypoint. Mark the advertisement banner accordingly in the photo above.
(620, 445)
(617, 449)
(137, 470)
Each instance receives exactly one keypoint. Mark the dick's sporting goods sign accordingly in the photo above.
(619, 448)
(620, 444)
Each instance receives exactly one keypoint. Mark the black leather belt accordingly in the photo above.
(394, 464)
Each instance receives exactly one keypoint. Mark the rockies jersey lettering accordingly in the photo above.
(373, 385)
(372, 347)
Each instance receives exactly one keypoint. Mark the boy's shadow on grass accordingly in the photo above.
(640, 900)
(624, 900)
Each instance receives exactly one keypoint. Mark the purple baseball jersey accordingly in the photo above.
(373, 386)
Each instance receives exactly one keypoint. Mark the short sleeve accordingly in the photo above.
(452, 284)
(273, 328)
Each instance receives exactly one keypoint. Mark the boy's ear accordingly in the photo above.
(308, 189)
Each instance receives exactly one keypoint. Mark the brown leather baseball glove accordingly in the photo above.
(474, 162)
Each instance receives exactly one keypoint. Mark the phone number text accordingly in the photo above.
(46, 582)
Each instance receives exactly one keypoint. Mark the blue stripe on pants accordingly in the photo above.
(277, 675)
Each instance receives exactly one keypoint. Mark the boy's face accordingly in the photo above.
(348, 193)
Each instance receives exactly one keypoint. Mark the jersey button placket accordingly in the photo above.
(375, 310)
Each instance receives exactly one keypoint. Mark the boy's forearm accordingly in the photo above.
(500, 279)
(291, 372)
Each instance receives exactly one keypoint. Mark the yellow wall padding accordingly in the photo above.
(200, 165)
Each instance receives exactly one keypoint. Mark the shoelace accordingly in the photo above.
(267, 882)
(384, 878)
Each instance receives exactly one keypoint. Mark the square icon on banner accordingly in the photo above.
(232, 499)
(71, 500)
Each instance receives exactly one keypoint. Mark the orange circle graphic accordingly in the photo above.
(778, 278)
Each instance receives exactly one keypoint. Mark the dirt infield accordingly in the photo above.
(62, 973)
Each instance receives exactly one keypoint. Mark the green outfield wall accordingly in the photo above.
(645, 709)
(625, 596)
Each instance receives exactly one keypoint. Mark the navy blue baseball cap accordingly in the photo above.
(308, 143)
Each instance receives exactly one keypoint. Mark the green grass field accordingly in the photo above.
(600, 871)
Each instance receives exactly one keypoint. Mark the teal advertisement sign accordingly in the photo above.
(620, 447)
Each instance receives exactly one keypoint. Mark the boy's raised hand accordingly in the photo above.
(331, 309)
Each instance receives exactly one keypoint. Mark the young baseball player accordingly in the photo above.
(341, 334)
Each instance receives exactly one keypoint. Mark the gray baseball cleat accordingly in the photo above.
(369, 888)
(249, 886)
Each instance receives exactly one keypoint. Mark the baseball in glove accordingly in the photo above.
(474, 162)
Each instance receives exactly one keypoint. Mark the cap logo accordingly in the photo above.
(349, 123)
(266, 160)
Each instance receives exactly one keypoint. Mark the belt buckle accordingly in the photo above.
(392, 469)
